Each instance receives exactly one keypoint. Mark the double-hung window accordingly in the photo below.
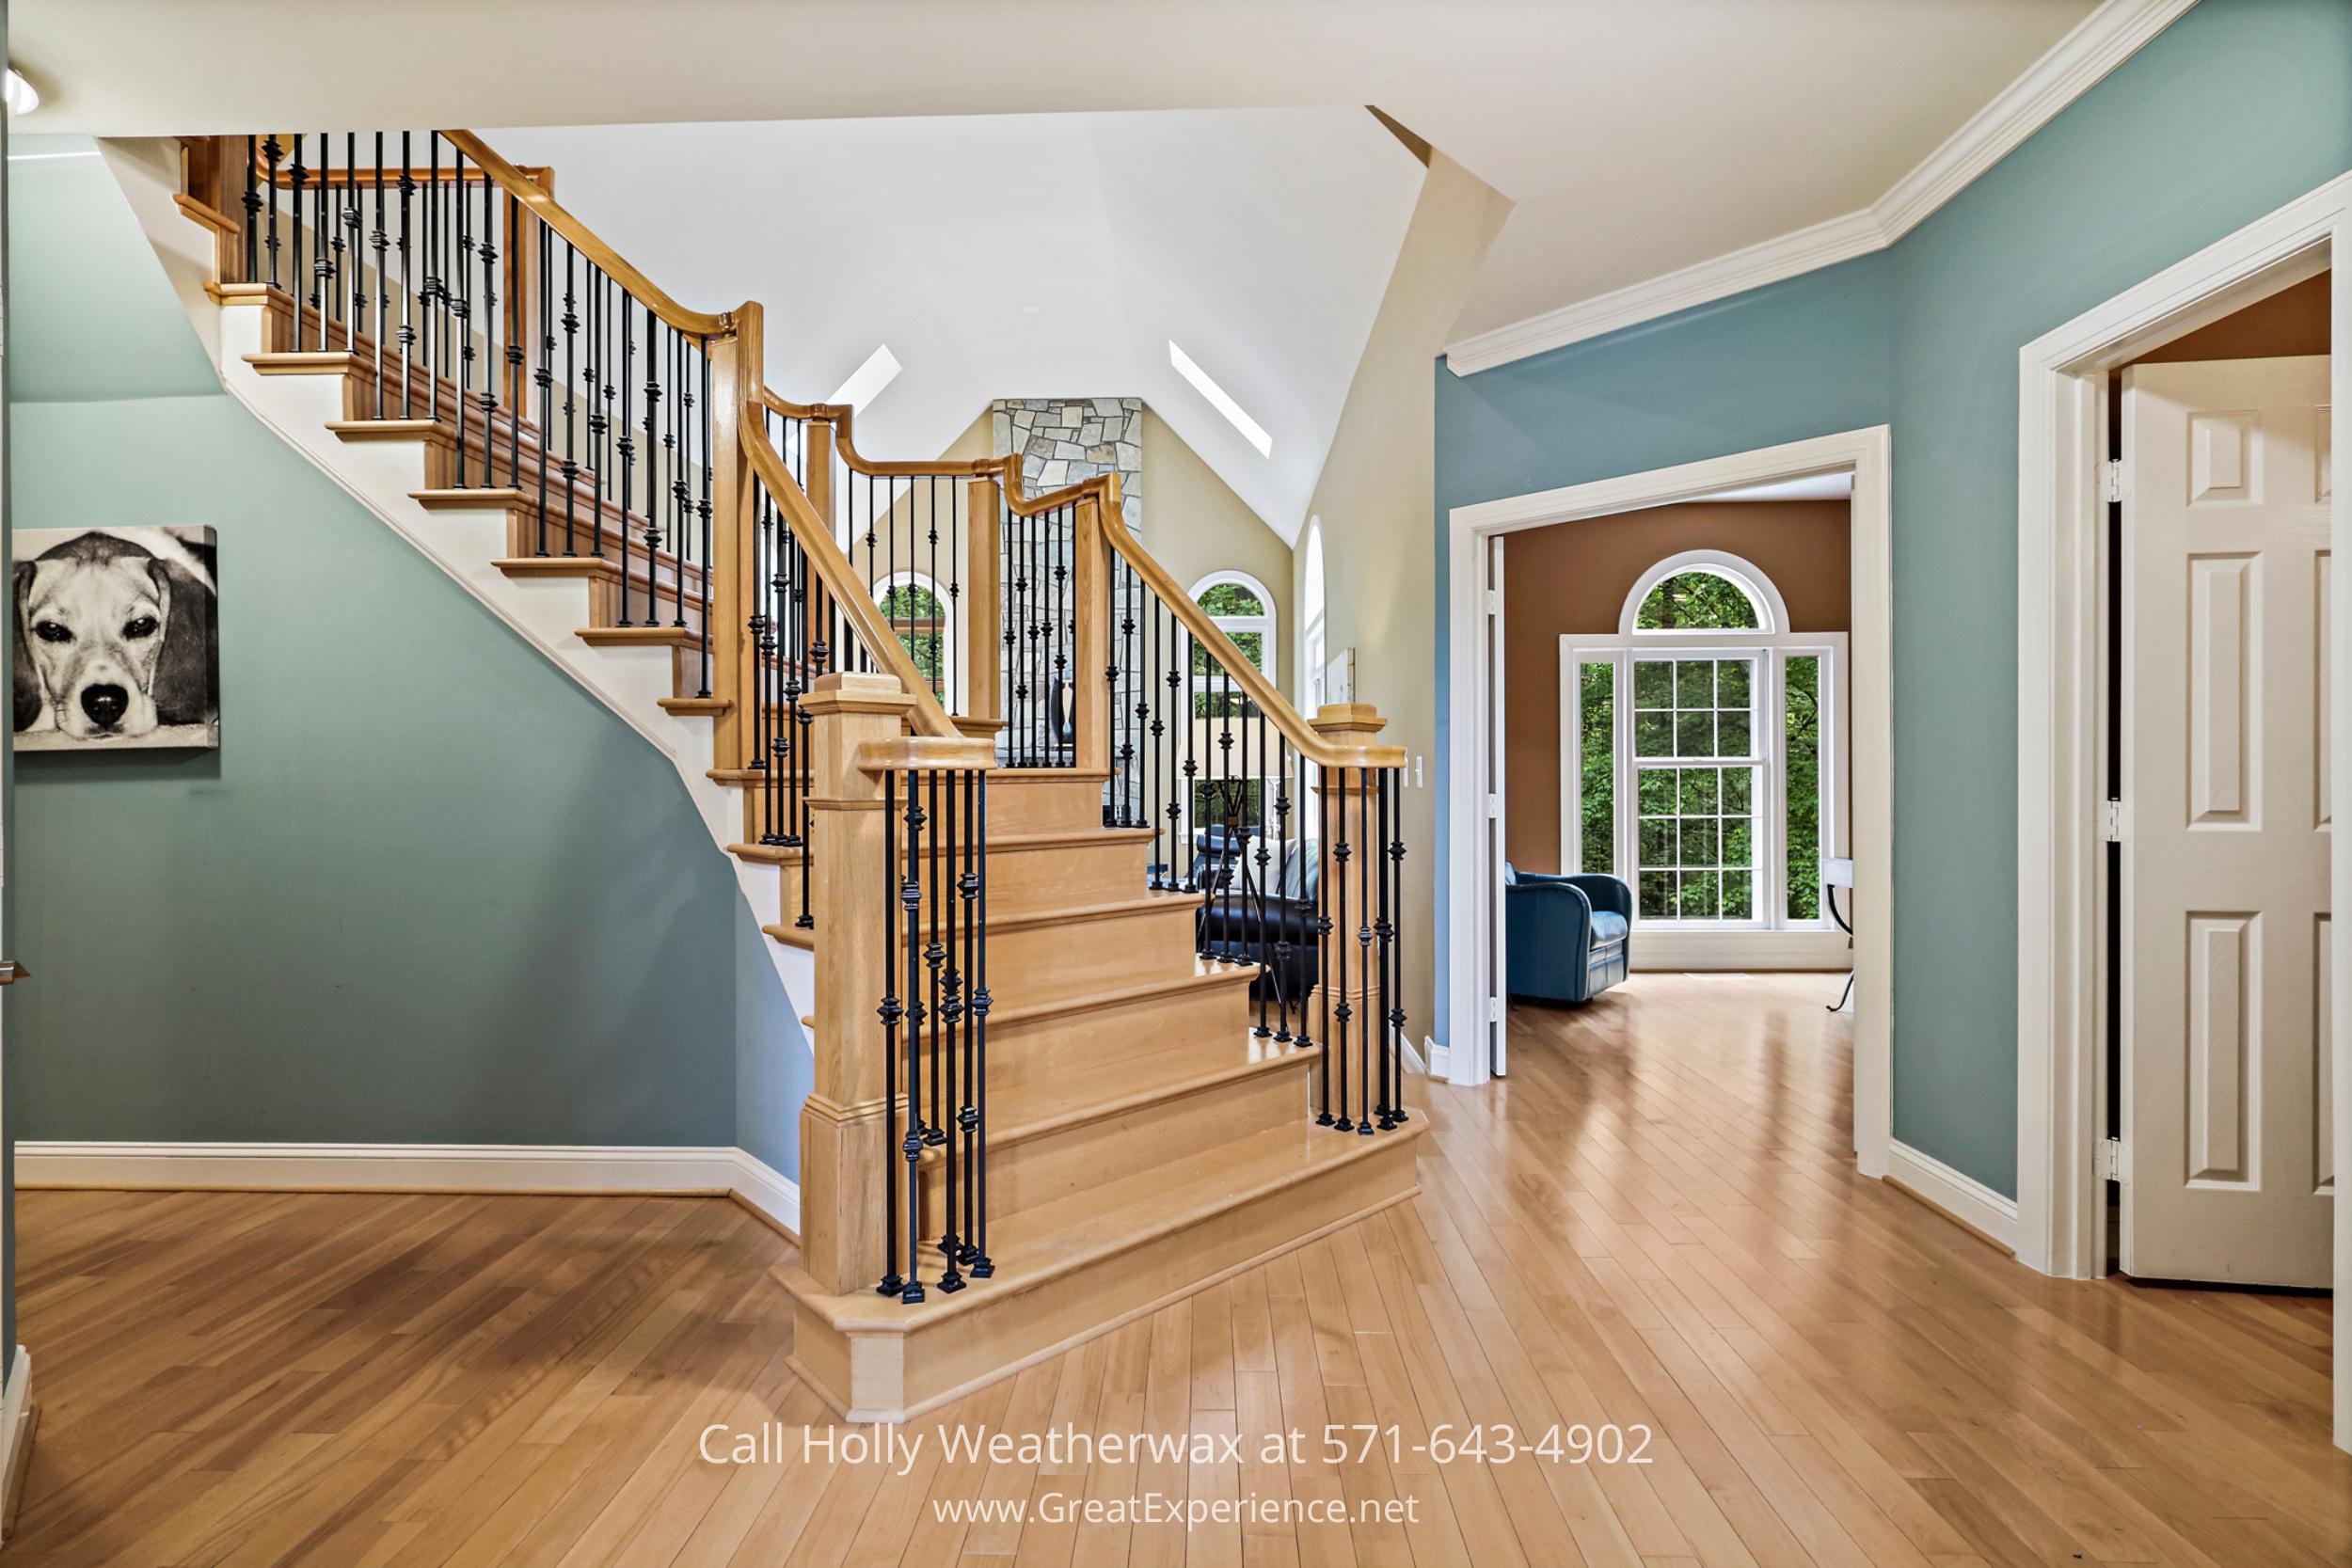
(1702, 753)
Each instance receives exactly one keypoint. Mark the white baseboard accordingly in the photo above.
(1659, 948)
(412, 1168)
(1441, 1058)
(1958, 1193)
(766, 1190)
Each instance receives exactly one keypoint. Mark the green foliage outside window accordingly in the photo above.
(1597, 750)
(1695, 600)
(921, 622)
(1803, 740)
(1212, 697)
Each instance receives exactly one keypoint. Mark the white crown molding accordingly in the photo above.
(412, 1168)
(2100, 43)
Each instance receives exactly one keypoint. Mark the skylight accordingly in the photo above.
(1220, 399)
(866, 382)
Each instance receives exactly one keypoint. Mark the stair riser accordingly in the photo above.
(1032, 965)
(1039, 1049)
(875, 1376)
(1024, 880)
(1028, 803)
(1038, 1170)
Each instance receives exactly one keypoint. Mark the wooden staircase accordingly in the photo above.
(1145, 1137)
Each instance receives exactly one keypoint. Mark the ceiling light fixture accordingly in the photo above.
(1251, 430)
(19, 95)
(866, 382)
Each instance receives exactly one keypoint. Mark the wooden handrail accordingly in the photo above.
(841, 416)
(1314, 747)
(520, 186)
(1005, 471)
(840, 579)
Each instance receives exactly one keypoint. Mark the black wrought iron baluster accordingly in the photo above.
(653, 466)
(1320, 929)
(252, 232)
(983, 1267)
(892, 1012)
(516, 400)
(301, 262)
(624, 438)
(433, 300)
(543, 377)
(910, 907)
(408, 301)
(379, 241)
(461, 309)
(1392, 1016)
(355, 221)
(487, 252)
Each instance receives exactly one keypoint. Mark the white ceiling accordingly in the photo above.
(1636, 138)
(1026, 256)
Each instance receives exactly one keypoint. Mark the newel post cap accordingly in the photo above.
(846, 691)
(1345, 722)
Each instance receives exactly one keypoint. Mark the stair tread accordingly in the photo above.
(1038, 1245)
(1207, 974)
(1018, 1112)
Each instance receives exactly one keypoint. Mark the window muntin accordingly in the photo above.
(1702, 763)
(1696, 783)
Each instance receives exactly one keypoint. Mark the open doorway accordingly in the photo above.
(1484, 733)
(1676, 685)
(2217, 569)
(2073, 967)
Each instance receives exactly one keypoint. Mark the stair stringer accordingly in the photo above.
(548, 614)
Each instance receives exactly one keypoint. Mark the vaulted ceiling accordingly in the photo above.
(1636, 138)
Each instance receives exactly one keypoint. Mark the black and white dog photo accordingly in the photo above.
(116, 640)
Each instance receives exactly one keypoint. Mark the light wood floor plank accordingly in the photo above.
(1653, 1222)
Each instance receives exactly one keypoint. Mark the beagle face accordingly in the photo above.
(94, 622)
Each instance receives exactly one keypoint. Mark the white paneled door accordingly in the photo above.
(2226, 1173)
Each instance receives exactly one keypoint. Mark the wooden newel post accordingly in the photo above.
(1090, 649)
(734, 372)
(844, 1167)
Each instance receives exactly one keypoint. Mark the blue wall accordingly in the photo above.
(427, 889)
(2237, 109)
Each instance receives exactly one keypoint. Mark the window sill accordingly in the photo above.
(1694, 947)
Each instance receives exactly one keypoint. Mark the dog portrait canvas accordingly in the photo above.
(116, 640)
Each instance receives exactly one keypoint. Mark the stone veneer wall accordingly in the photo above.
(1070, 440)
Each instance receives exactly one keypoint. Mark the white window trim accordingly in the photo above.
(1229, 624)
(952, 629)
(1772, 652)
(1771, 613)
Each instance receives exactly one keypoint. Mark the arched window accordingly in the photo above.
(1312, 633)
(920, 615)
(1701, 748)
(1243, 610)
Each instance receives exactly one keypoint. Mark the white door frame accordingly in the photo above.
(1471, 925)
(2061, 529)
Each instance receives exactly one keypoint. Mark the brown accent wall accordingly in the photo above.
(1573, 577)
(2285, 325)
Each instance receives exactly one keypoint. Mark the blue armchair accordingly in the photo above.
(1567, 936)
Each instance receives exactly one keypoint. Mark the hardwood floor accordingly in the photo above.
(1653, 1223)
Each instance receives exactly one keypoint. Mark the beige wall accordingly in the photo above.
(1377, 499)
(1574, 577)
(1194, 525)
